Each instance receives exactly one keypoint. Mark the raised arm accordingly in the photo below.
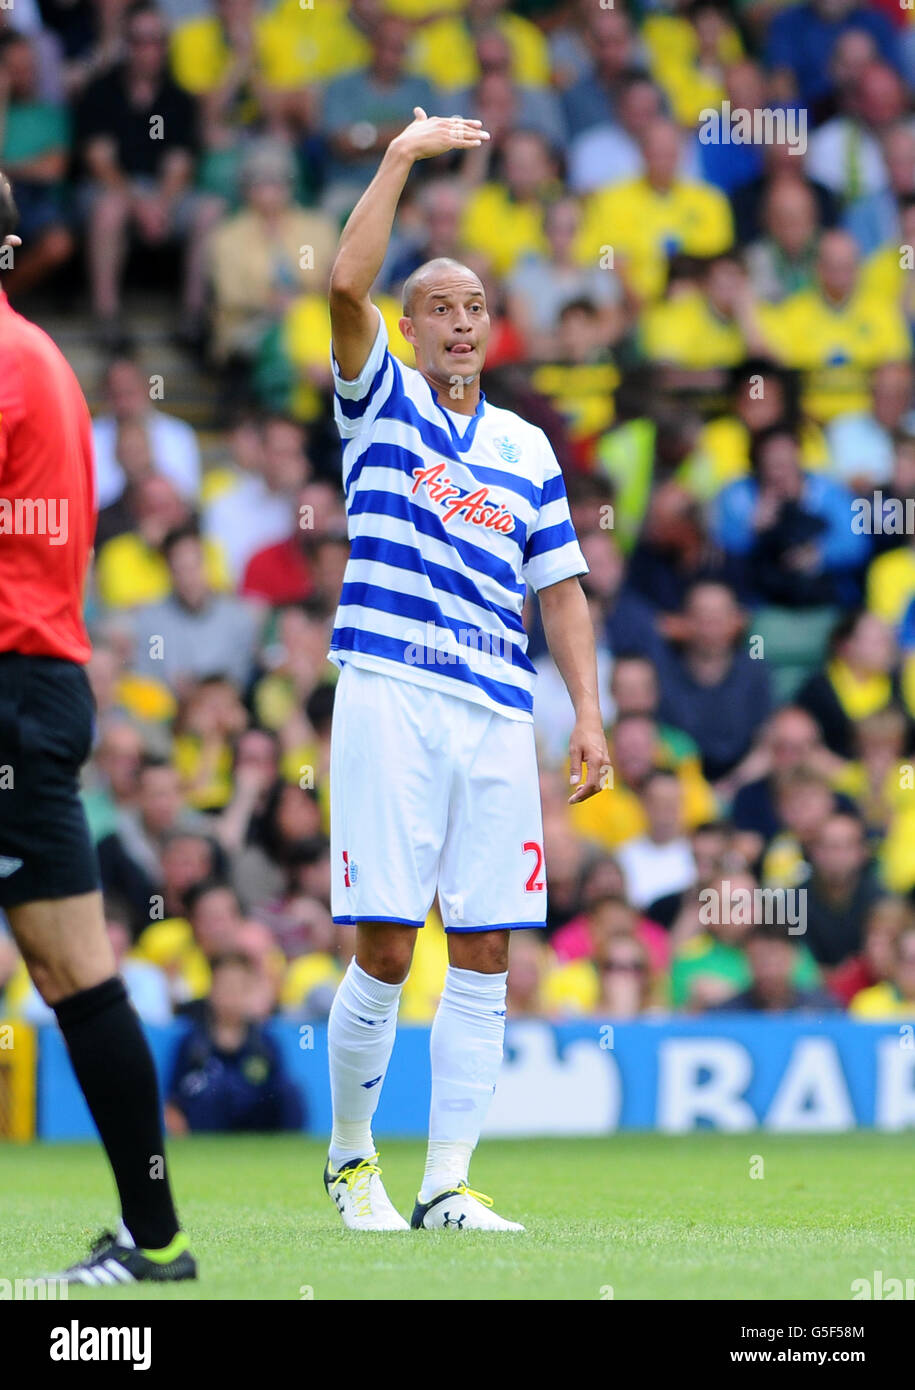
(364, 241)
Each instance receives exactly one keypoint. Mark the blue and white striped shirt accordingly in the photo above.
(446, 530)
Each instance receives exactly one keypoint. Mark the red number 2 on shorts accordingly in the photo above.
(535, 882)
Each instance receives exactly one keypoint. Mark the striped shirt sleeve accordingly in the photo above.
(357, 402)
(552, 552)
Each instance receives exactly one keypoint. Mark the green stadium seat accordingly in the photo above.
(794, 644)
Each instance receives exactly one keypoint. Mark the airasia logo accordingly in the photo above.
(474, 507)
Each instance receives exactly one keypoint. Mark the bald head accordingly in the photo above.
(425, 279)
(446, 322)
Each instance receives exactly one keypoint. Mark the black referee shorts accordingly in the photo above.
(47, 718)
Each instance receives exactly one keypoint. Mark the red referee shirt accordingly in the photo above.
(47, 495)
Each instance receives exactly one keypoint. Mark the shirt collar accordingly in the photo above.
(461, 442)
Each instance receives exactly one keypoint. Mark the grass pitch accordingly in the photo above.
(646, 1215)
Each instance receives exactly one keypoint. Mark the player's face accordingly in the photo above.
(449, 328)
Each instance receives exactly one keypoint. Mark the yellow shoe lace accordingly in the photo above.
(361, 1198)
(466, 1191)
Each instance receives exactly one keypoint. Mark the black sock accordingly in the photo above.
(114, 1067)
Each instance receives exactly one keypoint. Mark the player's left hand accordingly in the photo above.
(427, 136)
(588, 746)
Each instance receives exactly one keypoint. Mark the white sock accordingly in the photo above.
(360, 1037)
(466, 1048)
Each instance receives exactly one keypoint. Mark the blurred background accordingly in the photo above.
(717, 338)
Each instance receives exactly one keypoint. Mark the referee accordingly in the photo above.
(49, 882)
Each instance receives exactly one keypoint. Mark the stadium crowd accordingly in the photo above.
(715, 335)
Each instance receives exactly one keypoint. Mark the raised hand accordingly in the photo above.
(427, 136)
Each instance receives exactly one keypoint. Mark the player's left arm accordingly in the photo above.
(568, 630)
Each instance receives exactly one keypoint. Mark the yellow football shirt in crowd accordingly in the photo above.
(673, 52)
(837, 344)
(243, 240)
(582, 392)
(306, 974)
(170, 944)
(217, 481)
(444, 52)
(895, 860)
(150, 701)
(888, 274)
(421, 991)
(643, 227)
(615, 814)
(570, 989)
(420, 10)
(725, 442)
(783, 864)
(289, 52)
(321, 37)
(501, 229)
(687, 333)
(306, 341)
(426, 979)
(881, 1001)
(859, 695)
(212, 793)
(129, 573)
(891, 584)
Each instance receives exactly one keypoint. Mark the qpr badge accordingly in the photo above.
(507, 449)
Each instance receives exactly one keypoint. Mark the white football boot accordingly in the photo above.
(459, 1209)
(358, 1194)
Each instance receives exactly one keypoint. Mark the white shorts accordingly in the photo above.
(432, 792)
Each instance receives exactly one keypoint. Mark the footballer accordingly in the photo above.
(454, 507)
